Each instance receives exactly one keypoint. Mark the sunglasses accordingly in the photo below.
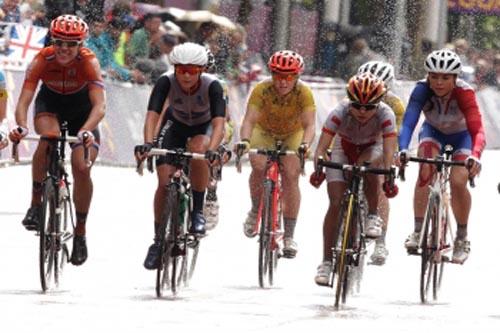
(367, 107)
(68, 43)
(284, 77)
(189, 69)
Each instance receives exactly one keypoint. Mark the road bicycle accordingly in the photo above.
(179, 248)
(269, 224)
(349, 250)
(436, 237)
(56, 217)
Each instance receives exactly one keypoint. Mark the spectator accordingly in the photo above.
(103, 45)
(40, 15)
(119, 32)
(11, 11)
(142, 42)
(358, 54)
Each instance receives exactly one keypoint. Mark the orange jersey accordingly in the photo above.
(83, 71)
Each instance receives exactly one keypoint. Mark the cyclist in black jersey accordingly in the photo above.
(194, 109)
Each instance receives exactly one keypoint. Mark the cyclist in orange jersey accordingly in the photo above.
(72, 90)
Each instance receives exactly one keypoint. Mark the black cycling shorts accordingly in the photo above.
(175, 134)
(73, 108)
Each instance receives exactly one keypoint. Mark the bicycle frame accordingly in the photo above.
(177, 242)
(437, 230)
(272, 183)
(56, 202)
(350, 246)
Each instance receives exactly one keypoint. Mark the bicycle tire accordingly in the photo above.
(443, 242)
(61, 256)
(166, 276)
(345, 219)
(265, 260)
(47, 246)
(429, 245)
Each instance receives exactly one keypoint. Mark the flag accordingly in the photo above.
(25, 42)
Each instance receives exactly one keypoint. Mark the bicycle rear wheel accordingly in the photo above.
(429, 268)
(47, 246)
(266, 264)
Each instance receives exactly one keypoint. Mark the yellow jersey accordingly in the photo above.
(280, 116)
(397, 107)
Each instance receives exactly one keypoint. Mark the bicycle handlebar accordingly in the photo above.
(438, 160)
(357, 168)
(168, 152)
(53, 138)
(270, 153)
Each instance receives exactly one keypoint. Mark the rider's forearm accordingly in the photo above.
(22, 106)
(390, 144)
(96, 115)
(309, 133)
(217, 134)
(150, 126)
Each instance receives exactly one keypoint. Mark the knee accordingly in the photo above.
(80, 170)
(424, 175)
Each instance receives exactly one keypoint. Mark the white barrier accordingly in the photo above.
(122, 127)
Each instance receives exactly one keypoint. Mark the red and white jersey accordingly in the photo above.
(342, 123)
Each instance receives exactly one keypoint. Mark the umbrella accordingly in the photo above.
(195, 16)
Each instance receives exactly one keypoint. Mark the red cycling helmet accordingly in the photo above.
(365, 89)
(287, 62)
(69, 27)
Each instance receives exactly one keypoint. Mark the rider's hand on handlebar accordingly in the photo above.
(242, 147)
(86, 137)
(473, 165)
(213, 157)
(303, 149)
(141, 151)
(390, 189)
(317, 178)
(3, 140)
(401, 158)
(18, 133)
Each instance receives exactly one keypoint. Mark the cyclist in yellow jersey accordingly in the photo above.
(385, 72)
(279, 108)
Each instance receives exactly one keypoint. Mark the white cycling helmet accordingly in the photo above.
(380, 69)
(189, 54)
(443, 61)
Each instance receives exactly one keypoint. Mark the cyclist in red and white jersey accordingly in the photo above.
(366, 130)
(72, 90)
(452, 117)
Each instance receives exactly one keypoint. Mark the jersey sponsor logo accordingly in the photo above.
(199, 100)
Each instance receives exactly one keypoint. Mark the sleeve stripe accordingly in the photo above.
(328, 131)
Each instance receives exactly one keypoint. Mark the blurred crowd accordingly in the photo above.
(132, 40)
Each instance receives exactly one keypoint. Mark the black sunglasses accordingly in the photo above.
(68, 43)
(367, 107)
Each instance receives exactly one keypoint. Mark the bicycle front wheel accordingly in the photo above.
(429, 274)
(48, 247)
(266, 264)
(340, 251)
